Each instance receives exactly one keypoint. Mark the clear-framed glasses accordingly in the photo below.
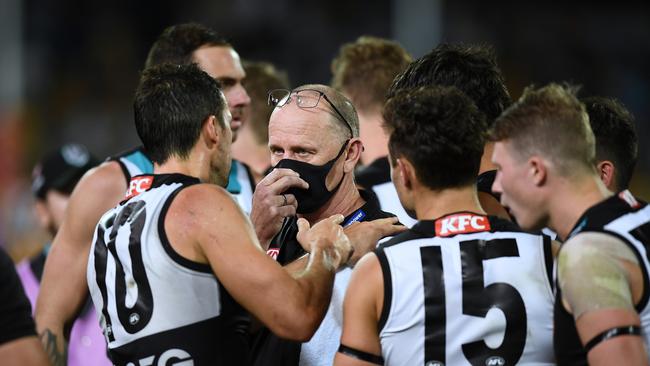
(305, 98)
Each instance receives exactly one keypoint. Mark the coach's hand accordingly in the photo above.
(271, 205)
(365, 235)
(326, 237)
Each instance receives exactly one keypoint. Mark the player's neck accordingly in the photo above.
(486, 158)
(571, 199)
(374, 137)
(196, 165)
(430, 204)
(345, 201)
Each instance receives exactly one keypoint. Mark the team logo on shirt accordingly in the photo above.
(273, 252)
(495, 361)
(138, 185)
(461, 224)
(628, 197)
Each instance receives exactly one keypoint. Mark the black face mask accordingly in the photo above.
(313, 198)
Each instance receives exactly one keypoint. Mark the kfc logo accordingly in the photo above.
(273, 252)
(461, 224)
(138, 185)
(629, 198)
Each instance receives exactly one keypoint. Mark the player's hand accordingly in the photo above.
(328, 237)
(365, 235)
(271, 205)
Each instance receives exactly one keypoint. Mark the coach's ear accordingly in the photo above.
(537, 170)
(606, 173)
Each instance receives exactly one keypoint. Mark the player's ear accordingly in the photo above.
(353, 154)
(606, 173)
(406, 173)
(211, 131)
(42, 214)
(537, 170)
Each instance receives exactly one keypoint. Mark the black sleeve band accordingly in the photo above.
(611, 333)
(361, 355)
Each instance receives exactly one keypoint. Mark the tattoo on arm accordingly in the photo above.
(49, 341)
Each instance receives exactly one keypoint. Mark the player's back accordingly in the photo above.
(466, 289)
(155, 305)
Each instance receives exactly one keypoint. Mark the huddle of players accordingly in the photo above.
(460, 287)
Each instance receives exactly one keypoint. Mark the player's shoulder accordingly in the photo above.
(205, 198)
(589, 241)
(106, 178)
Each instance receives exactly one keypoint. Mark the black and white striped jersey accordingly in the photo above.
(467, 289)
(154, 305)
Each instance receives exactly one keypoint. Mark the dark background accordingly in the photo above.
(68, 68)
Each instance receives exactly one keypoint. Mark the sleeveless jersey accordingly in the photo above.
(628, 220)
(153, 304)
(240, 183)
(466, 289)
(133, 162)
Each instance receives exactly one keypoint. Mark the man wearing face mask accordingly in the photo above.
(314, 144)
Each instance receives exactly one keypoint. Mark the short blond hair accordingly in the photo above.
(365, 69)
(552, 122)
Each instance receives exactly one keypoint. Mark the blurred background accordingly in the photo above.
(68, 68)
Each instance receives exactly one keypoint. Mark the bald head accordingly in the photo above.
(343, 104)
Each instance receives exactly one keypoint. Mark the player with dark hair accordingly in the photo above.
(64, 288)
(170, 265)
(474, 71)
(545, 156)
(430, 296)
(616, 141)
(363, 71)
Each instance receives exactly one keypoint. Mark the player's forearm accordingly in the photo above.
(297, 267)
(23, 351)
(62, 293)
(55, 346)
(308, 305)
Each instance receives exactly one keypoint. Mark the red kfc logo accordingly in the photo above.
(461, 224)
(273, 252)
(138, 185)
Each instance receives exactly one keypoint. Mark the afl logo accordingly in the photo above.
(434, 363)
(495, 361)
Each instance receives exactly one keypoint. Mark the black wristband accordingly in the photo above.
(361, 355)
(611, 333)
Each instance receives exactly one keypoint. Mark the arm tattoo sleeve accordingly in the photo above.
(49, 341)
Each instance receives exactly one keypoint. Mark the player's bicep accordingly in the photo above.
(228, 240)
(595, 281)
(592, 274)
(360, 343)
